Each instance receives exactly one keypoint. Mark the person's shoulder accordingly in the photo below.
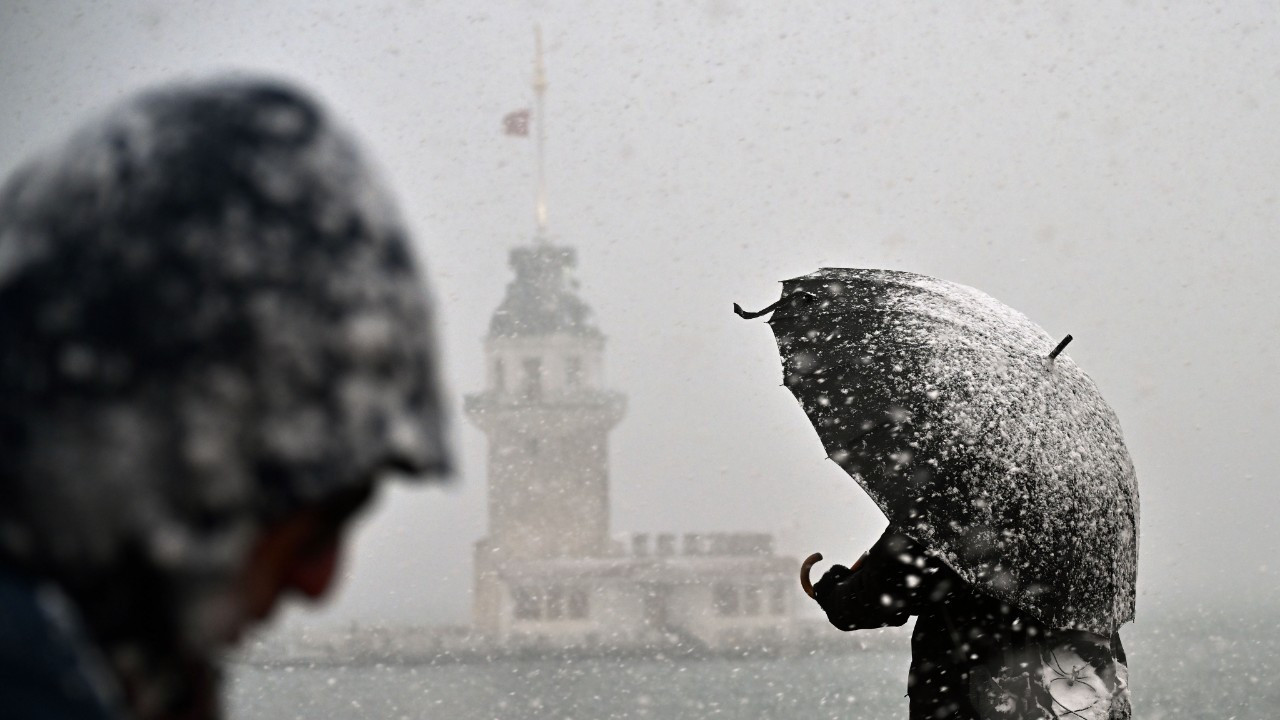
(42, 674)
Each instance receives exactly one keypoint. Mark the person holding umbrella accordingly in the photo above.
(215, 344)
(1011, 499)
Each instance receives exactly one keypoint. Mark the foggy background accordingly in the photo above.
(1109, 169)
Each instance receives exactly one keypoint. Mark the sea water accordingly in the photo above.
(1181, 666)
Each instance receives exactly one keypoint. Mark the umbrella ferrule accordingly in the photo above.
(799, 294)
(1053, 354)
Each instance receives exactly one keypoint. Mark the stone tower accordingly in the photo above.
(547, 418)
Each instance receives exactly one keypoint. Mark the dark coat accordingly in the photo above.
(973, 656)
(47, 670)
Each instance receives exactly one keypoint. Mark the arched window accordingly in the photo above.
(531, 383)
(577, 604)
(555, 602)
(573, 371)
(724, 596)
(528, 605)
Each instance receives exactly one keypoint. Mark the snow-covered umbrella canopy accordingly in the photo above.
(945, 406)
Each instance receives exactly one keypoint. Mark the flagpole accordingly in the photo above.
(539, 121)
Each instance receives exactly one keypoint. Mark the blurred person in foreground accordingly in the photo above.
(214, 344)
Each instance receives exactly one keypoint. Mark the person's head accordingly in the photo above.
(213, 343)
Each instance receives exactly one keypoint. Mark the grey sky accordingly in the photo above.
(1107, 168)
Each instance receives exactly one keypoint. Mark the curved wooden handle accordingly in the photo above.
(804, 572)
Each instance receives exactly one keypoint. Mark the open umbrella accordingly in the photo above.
(962, 421)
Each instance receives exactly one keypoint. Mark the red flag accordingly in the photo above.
(516, 123)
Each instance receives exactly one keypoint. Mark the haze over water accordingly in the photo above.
(1107, 170)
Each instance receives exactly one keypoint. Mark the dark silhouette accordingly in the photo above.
(974, 656)
(1011, 499)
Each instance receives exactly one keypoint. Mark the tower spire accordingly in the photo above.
(539, 122)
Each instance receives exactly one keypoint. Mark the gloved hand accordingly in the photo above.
(825, 591)
(837, 590)
(835, 576)
(853, 598)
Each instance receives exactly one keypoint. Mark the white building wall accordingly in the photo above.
(698, 611)
(619, 610)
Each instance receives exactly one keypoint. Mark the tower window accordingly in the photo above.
(778, 599)
(527, 605)
(573, 372)
(555, 602)
(666, 546)
(725, 599)
(533, 377)
(578, 604)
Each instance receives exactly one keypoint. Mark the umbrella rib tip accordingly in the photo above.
(801, 294)
(1053, 355)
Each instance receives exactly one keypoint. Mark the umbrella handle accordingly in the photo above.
(809, 562)
(804, 572)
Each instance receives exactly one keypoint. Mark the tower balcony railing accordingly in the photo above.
(559, 398)
(730, 544)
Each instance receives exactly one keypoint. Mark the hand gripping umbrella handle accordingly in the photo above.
(809, 562)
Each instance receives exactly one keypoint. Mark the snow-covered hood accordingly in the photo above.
(209, 316)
